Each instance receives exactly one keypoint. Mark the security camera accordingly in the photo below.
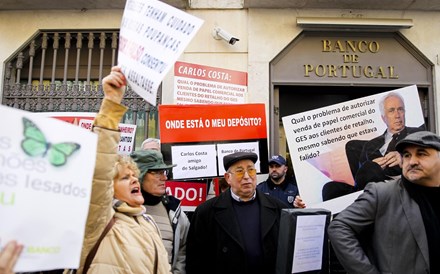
(219, 33)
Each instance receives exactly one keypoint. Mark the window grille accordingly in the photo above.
(59, 71)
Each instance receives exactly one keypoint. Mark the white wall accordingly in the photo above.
(263, 33)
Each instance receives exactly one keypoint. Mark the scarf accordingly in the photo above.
(123, 207)
(152, 200)
(428, 199)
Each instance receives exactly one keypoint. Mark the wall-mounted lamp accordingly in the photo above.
(219, 33)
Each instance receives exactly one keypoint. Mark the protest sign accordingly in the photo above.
(303, 242)
(85, 120)
(195, 161)
(198, 84)
(204, 123)
(44, 200)
(152, 37)
(317, 138)
(225, 149)
(69, 117)
(191, 194)
(128, 133)
(196, 137)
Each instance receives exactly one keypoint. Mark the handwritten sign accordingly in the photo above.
(44, 199)
(128, 133)
(152, 37)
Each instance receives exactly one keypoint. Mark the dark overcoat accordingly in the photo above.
(215, 244)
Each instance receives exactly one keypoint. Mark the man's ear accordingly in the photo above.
(227, 177)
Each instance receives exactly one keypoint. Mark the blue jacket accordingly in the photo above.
(285, 192)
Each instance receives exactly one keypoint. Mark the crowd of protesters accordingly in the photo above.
(134, 226)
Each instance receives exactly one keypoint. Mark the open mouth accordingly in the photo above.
(135, 190)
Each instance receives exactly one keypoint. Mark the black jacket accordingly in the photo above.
(215, 243)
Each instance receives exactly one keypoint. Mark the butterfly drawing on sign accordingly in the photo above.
(35, 144)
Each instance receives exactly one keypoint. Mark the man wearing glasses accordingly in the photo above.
(236, 232)
(165, 209)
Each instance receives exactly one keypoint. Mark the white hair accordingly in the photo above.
(384, 98)
(150, 140)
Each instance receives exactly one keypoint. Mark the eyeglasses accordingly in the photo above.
(158, 173)
(240, 172)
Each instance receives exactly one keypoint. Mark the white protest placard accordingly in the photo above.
(309, 243)
(225, 149)
(46, 170)
(194, 161)
(152, 37)
(317, 138)
(336, 205)
(198, 84)
(128, 133)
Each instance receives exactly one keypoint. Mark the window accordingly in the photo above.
(62, 72)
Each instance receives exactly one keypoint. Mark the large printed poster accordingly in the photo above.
(317, 139)
(46, 169)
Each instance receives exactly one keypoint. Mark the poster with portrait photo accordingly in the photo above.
(317, 139)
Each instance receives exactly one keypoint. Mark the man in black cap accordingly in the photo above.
(393, 227)
(278, 185)
(236, 232)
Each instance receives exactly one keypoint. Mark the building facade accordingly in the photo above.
(299, 55)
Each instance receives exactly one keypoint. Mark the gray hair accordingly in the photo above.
(150, 140)
(384, 98)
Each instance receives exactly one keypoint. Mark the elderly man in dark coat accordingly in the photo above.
(236, 232)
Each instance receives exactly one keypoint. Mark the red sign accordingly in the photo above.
(191, 194)
(207, 73)
(205, 123)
